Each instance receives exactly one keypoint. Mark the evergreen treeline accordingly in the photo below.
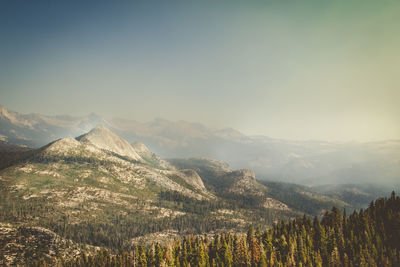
(366, 238)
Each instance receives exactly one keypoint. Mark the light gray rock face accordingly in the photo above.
(103, 138)
(193, 178)
(244, 181)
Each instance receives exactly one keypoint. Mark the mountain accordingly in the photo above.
(98, 190)
(112, 192)
(303, 162)
(242, 187)
(36, 130)
(103, 138)
(239, 185)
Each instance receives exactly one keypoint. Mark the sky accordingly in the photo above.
(326, 70)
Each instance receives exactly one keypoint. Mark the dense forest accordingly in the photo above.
(369, 237)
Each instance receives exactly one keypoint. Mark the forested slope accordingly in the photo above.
(365, 238)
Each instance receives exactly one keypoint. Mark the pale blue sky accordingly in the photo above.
(305, 70)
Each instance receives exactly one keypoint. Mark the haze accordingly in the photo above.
(309, 70)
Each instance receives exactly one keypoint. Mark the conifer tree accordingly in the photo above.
(142, 257)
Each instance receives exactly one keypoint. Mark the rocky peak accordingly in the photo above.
(104, 138)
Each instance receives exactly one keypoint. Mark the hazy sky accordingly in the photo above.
(299, 70)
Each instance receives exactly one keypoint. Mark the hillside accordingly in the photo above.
(98, 189)
(359, 195)
(364, 238)
(243, 187)
(28, 245)
(11, 153)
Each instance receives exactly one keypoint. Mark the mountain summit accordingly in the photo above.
(103, 138)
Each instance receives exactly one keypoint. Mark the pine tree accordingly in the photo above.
(142, 257)
(226, 254)
(253, 247)
(159, 257)
(239, 251)
(199, 258)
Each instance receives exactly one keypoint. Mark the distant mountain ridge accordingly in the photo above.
(303, 162)
(36, 130)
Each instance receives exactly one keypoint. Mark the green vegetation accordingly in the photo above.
(84, 200)
(112, 224)
(365, 238)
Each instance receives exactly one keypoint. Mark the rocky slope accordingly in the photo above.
(150, 157)
(24, 246)
(103, 138)
(242, 185)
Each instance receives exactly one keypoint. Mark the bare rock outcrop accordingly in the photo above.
(103, 138)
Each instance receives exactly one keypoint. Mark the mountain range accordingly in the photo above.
(99, 190)
(312, 163)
